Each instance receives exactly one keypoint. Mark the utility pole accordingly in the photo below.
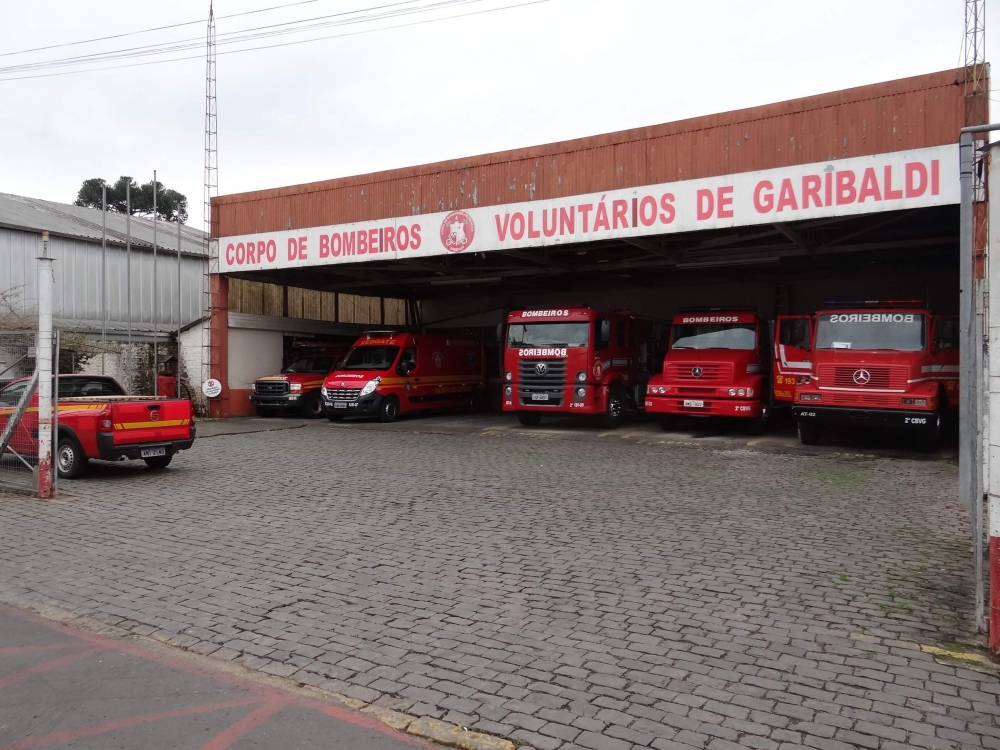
(104, 274)
(43, 358)
(177, 385)
(128, 279)
(156, 316)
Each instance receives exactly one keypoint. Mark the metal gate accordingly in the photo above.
(19, 409)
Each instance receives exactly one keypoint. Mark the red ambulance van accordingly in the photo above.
(386, 374)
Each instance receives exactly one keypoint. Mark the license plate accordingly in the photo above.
(694, 404)
(539, 397)
(152, 452)
(339, 404)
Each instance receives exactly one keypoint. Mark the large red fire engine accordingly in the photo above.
(715, 367)
(885, 364)
(576, 361)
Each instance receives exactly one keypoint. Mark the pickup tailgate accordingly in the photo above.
(151, 421)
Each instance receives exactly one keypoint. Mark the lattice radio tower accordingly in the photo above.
(210, 349)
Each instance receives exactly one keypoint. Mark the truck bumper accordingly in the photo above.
(846, 416)
(289, 401)
(366, 406)
(710, 406)
(108, 451)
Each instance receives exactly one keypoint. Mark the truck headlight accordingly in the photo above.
(741, 392)
(581, 376)
(914, 402)
(581, 392)
(508, 391)
(295, 387)
(508, 376)
(810, 397)
(370, 386)
(732, 391)
(324, 392)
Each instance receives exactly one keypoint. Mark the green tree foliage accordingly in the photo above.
(170, 205)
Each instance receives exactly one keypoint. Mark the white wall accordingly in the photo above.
(253, 354)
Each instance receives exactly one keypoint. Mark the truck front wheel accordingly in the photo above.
(70, 459)
(529, 418)
(614, 410)
(313, 406)
(808, 433)
(389, 410)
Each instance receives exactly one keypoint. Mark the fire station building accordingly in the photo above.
(850, 194)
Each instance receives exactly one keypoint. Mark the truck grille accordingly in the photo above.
(711, 372)
(271, 387)
(882, 400)
(552, 382)
(841, 376)
(343, 394)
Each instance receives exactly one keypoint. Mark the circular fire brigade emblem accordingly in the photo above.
(155, 415)
(457, 231)
(695, 372)
(861, 377)
(541, 368)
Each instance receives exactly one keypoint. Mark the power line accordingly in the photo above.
(284, 44)
(304, 25)
(155, 28)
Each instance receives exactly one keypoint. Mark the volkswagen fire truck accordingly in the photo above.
(878, 364)
(576, 360)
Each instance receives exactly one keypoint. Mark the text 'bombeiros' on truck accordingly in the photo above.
(577, 360)
(387, 374)
(877, 364)
(716, 366)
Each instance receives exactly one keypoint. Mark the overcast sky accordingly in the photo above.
(414, 94)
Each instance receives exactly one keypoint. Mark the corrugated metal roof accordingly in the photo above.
(33, 214)
(909, 113)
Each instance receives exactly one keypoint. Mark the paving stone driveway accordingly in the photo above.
(584, 592)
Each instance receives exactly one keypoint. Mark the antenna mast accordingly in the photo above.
(210, 348)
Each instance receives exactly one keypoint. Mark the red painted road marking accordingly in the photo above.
(48, 666)
(359, 719)
(131, 721)
(229, 735)
(29, 649)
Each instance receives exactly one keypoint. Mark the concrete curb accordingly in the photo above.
(434, 730)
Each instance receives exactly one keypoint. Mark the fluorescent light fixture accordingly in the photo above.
(459, 282)
(739, 262)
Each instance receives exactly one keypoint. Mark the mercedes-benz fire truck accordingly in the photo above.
(878, 364)
(716, 366)
(577, 361)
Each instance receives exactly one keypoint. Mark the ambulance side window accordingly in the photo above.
(407, 361)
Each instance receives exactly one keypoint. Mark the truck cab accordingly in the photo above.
(572, 361)
(716, 366)
(297, 388)
(879, 364)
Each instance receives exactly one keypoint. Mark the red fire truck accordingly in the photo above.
(716, 366)
(576, 361)
(878, 364)
(386, 374)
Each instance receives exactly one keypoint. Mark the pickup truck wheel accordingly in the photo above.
(313, 406)
(389, 411)
(267, 411)
(668, 422)
(529, 418)
(158, 462)
(614, 410)
(809, 433)
(757, 425)
(70, 459)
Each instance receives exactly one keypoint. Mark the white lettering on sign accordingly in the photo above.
(541, 352)
(860, 185)
(873, 318)
(544, 313)
(711, 319)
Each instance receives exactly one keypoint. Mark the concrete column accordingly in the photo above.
(992, 468)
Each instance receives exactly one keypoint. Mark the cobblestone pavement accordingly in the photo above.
(563, 589)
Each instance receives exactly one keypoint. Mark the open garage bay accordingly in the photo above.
(563, 586)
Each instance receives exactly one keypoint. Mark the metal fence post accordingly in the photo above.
(43, 354)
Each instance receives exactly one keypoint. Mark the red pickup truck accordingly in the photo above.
(97, 420)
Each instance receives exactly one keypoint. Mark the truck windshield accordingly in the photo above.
(898, 332)
(548, 334)
(320, 364)
(715, 336)
(370, 358)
